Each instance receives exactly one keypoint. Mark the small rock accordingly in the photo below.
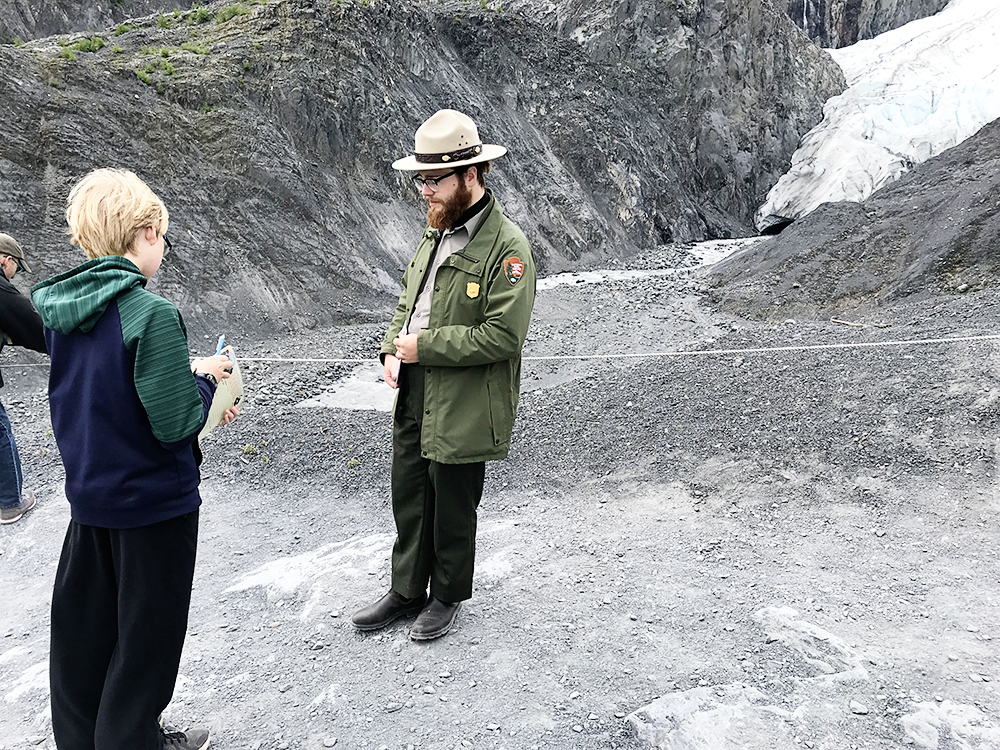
(574, 695)
(429, 690)
(577, 728)
(393, 707)
(859, 708)
(409, 668)
(492, 727)
(330, 742)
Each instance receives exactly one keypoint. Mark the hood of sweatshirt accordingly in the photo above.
(76, 300)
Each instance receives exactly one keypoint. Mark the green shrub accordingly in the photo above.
(122, 29)
(143, 76)
(90, 45)
(230, 12)
(163, 21)
(205, 109)
(67, 54)
(117, 49)
(82, 45)
(199, 15)
(198, 49)
(168, 68)
(18, 42)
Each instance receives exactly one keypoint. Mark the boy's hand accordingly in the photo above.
(218, 365)
(231, 413)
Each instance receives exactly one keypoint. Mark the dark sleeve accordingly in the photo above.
(207, 393)
(19, 320)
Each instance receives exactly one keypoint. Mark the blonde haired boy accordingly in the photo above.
(127, 406)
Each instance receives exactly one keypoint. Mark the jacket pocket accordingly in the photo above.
(501, 417)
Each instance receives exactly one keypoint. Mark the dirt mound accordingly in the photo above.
(934, 232)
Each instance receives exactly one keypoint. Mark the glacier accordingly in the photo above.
(912, 93)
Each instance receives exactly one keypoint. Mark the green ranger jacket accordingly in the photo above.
(483, 295)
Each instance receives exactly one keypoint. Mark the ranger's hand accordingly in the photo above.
(390, 371)
(406, 348)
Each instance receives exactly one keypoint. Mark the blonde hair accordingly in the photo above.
(108, 208)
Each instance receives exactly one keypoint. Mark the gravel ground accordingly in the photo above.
(741, 550)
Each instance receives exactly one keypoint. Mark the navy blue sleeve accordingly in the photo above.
(207, 392)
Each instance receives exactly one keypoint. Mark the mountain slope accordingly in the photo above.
(270, 134)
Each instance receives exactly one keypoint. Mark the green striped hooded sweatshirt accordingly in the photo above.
(126, 408)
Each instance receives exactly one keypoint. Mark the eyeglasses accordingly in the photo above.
(167, 246)
(431, 182)
(17, 264)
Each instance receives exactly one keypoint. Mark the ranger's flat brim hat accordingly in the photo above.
(9, 246)
(447, 139)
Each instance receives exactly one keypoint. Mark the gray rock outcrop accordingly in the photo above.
(839, 23)
(20, 19)
(270, 132)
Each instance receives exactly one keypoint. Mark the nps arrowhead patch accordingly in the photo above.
(513, 269)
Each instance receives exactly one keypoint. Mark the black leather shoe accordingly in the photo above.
(434, 620)
(388, 609)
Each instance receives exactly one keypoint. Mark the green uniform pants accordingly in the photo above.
(434, 506)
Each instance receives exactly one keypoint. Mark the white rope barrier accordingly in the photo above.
(639, 355)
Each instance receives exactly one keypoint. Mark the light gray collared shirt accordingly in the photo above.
(452, 241)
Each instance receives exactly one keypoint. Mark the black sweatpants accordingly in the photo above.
(119, 616)
(434, 506)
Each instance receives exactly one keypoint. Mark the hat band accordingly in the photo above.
(450, 156)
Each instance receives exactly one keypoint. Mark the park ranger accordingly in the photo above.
(453, 351)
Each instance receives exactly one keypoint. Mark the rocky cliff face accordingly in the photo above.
(840, 23)
(20, 19)
(269, 129)
(935, 231)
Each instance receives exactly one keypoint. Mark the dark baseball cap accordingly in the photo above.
(9, 246)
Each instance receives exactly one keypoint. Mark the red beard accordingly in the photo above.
(441, 216)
